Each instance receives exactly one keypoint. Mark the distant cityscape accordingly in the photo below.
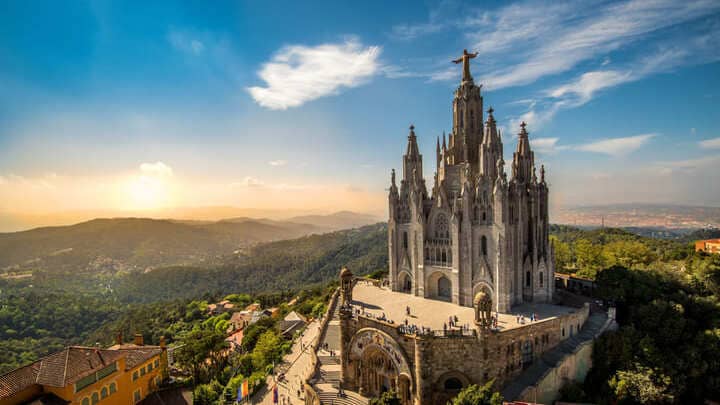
(639, 215)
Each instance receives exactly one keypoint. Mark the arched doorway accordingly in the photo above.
(377, 372)
(376, 364)
(444, 288)
(448, 386)
(405, 282)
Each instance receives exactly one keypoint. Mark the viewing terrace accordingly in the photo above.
(433, 315)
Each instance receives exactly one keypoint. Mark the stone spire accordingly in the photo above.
(412, 161)
(490, 148)
(523, 158)
(412, 147)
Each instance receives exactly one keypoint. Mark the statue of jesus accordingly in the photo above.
(465, 59)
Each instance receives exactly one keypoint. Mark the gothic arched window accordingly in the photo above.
(527, 279)
(405, 240)
(541, 279)
(441, 226)
(483, 245)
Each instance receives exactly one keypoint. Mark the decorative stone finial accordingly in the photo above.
(392, 177)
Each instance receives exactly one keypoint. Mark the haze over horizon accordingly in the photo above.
(307, 108)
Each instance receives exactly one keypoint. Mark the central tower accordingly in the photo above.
(476, 231)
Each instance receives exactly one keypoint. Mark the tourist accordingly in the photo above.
(407, 310)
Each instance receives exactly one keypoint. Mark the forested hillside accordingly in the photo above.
(666, 349)
(275, 266)
(136, 243)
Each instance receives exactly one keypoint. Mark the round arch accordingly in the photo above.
(379, 363)
(449, 384)
(440, 286)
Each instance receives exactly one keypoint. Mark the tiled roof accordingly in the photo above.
(138, 355)
(58, 369)
(71, 364)
(18, 379)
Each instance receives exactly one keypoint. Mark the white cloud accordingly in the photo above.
(710, 143)
(583, 89)
(544, 145)
(407, 32)
(554, 38)
(617, 146)
(298, 74)
(249, 181)
(157, 169)
(687, 165)
(277, 162)
(185, 43)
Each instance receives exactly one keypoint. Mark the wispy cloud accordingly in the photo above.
(710, 143)
(554, 38)
(411, 31)
(248, 181)
(617, 146)
(277, 163)
(298, 74)
(686, 165)
(185, 42)
(157, 169)
(544, 145)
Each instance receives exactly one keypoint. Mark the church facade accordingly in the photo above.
(475, 230)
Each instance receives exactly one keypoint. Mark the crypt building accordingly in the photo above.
(470, 292)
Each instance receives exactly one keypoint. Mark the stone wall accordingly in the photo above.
(470, 359)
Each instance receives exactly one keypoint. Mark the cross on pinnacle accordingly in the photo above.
(465, 60)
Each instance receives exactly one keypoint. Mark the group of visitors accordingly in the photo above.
(520, 318)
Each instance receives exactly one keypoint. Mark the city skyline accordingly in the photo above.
(308, 107)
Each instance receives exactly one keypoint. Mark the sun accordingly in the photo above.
(146, 193)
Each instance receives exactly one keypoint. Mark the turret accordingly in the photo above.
(523, 158)
(412, 161)
(491, 148)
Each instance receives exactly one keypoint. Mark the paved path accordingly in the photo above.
(295, 365)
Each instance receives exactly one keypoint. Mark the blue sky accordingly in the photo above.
(130, 105)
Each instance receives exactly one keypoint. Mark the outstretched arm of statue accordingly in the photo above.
(456, 61)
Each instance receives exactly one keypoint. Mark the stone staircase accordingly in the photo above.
(594, 326)
(327, 380)
(328, 395)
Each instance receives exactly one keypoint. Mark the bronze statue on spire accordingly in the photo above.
(465, 60)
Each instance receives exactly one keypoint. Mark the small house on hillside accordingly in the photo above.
(292, 323)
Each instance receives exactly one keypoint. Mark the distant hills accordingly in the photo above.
(139, 243)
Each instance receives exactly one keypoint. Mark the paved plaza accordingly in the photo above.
(435, 314)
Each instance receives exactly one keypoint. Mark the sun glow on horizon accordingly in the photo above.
(145, 193)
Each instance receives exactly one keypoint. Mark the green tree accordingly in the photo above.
(478, 395)
(267, 349)
(202, 350)
(588, 256)
(563, 255)
(207, 394)
(630, 254)
(387, 398)
(641, 385)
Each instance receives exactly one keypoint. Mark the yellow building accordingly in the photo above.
(123, 374)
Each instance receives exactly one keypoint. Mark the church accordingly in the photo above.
(475, 231)
(469, 297)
